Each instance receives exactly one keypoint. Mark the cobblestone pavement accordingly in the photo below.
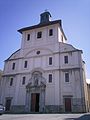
(45, 116)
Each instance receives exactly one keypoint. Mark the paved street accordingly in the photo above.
(45, 117)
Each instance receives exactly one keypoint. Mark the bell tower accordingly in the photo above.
(45, 17)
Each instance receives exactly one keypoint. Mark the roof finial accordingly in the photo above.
(46, 10)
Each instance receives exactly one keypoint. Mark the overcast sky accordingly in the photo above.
(15, 14)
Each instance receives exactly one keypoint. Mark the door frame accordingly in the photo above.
(8, 98)
(66, 97)
(35, 96)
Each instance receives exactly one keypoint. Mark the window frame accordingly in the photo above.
(67, 79)
(66, 59)
(39, 34)
(25, 63)
(23, 80)
(28, 37)
(13, 66)
(11, 81)
(50, 77)
(50, 32)
(50, 61)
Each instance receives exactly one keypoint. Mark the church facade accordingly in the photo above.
(46, 74)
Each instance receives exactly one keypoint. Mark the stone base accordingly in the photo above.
(78, 109)
(17, 109)
(61, 109)
(53, 109)
(48, 109)
(78, 105)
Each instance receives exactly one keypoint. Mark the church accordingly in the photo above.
(46, 75)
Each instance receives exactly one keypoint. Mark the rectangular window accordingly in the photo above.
(25, 64)
(28, 37)
(23, 80)
(39, 34)
(65, 59)
(50, 78)
(11, 81)
(50, 32)
(13, 66)
(50, 60)
(66, 77)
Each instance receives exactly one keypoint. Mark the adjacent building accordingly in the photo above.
(88, 88)
(46, 74)
(1, 73)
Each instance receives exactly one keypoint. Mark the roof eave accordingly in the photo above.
(39, 25)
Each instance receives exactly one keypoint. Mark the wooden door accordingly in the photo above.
(67, 104)
(35, 102)
(8, 104)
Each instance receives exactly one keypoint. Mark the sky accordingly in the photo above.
(16, 14)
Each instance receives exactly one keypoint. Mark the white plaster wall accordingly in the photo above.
(49, 46)
(21, 96)
(66, 86)
(73, 87)
(73, 60)
(7, 90)
(78, 83)
(20, 90)
(33, 42)
(57, 87)
(50, 89)
(60, 35)
(8, 67)
(50, 95)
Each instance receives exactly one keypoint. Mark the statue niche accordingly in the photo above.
(36, 80)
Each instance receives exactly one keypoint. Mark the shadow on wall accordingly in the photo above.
(84, 117)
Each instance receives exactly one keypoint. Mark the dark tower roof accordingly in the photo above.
(45, 17)
(44, 21)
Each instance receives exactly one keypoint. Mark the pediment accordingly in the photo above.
(38, 51)
(15, 55)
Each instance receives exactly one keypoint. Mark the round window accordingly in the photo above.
(38, 52)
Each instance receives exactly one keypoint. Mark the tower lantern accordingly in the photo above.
(45, 17)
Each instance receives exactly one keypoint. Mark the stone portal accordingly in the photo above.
(35, 93)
